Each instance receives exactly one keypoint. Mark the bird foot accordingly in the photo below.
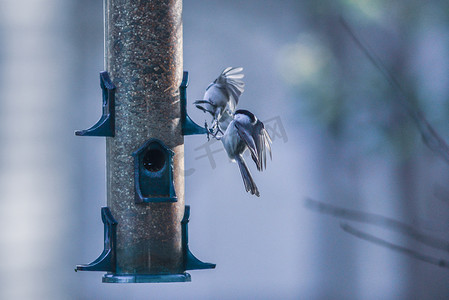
(213, 131)
(208, 131)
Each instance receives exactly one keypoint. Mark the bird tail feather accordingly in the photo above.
(206, 103)
(250, 185)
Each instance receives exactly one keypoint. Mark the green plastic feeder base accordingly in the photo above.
(128, 278)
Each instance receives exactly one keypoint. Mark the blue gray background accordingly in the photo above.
(345, 141)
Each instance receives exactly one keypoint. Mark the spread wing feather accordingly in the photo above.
(258, 143)
(231, 79)
(248, 139)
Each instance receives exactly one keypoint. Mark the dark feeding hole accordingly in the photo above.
(154, 160)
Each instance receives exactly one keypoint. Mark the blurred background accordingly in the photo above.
(340, 136)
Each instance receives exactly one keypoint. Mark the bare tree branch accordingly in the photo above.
(373, 239)
(430, 137)
(378, 220)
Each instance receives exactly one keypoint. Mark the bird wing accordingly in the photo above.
(231, 79)
(258, 141)
(246, 136)
(263, 144)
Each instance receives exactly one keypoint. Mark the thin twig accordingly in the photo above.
(430, 137)
(373, 239)
(378, 220)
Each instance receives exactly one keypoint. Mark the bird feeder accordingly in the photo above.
(144, 121)
(153, 173)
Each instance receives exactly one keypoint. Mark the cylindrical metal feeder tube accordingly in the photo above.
(143, 55)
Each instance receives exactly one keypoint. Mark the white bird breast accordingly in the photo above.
(231, 141)
(216, 96)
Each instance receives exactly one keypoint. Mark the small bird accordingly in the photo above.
(246, 132)
(222, 96)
